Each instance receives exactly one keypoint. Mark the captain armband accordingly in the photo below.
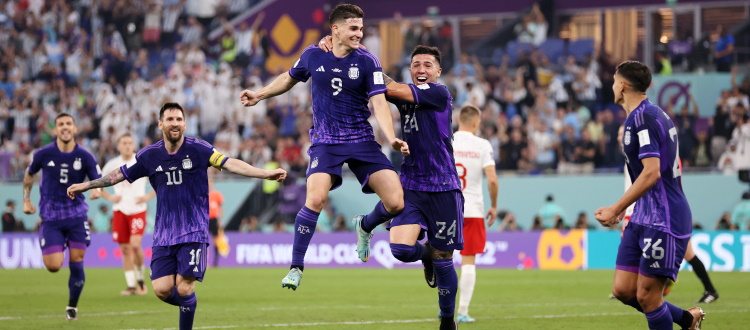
(217, 160)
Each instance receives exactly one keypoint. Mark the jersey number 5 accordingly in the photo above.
(63, 175)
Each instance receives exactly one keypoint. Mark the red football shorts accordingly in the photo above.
(475, 236)
(124, 225)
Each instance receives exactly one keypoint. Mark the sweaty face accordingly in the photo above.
(424, 69)
(126, 146)
(173, 125)
(65, 129)
(349, 32)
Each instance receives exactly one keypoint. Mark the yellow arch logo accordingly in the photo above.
(552, 244)
(286, 35)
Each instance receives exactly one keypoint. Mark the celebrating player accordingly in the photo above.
(129, 216)
(654, 242)
(342, 82)
(473, 157)
(64, 222)
(177, 169)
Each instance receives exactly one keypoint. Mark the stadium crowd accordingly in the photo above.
(112, 63)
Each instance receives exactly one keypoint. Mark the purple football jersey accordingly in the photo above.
(60, 170)
(181, 184)
(341, 88)
(426, 127)
(649, 132)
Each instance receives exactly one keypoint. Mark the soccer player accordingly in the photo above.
(342, 82)
(432, 189)
(129, 217)
(177, 169)
(64, 222)
(473, 157)
(655, 240)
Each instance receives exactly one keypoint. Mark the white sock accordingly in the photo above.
(466, 287)
(130, 278)
(138, 273)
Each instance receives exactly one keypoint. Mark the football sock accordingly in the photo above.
(75, 282)
(468, 279)
(174, 298)
(378, 216)
(634, 303)
(139, 275)
(188, 304)
(700, 271)
(130, 278)
(447, 283)
(680, 316)
(304, 228)
(660, 318)
(408, 253)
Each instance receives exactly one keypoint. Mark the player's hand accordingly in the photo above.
(400, 146)
(96, 193)
(278, 174)
(116, 198)
(326, 44)
(607, 216)
(28, 207)
(140, 200)
(491, 215)
(250, 98)
(75, 189)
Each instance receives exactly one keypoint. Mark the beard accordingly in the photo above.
(168, 137)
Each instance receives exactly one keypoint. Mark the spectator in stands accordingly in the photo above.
(728, 162)
(725, 222)
(662, 65)
(723, 50)
(507, 221)
(741, 213)
(741, 134)
(583, 222)
(550, 211)
(537, 224)
(560, 224)
(249, 224)
(10, 223)
(102, 221)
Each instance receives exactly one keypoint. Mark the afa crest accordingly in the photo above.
(354, 72)
(187, 164)
(77, 164)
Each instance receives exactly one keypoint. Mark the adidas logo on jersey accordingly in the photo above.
(158, 169)
(655, 264)
(321, 69)
(195, 269)
(51, 163)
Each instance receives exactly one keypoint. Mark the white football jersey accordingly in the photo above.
(128, 191)
(472, 155)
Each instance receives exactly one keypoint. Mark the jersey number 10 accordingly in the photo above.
(174, 177)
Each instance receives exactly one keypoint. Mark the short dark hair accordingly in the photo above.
(746, 195)
(550, 198)
(169, 106)
(343, 12)
(64, 114)
(636, 73)
(420, 49)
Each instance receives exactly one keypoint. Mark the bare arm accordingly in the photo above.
(385, 121)
(110, 179)
(237, 166)
(398, 90)
(283, 83)
(492, 186)
(28, 182)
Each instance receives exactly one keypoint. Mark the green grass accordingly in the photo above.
(367, 299)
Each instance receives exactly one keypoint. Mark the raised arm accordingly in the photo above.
(28, 182)
(110, 179)
(237, 166)
(385, 121)
(283, 83)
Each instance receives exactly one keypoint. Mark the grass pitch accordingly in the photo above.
(355, 299)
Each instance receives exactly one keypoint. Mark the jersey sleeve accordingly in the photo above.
(215, 158)
(301, 70)
(374, 76)
(649, 137)
(486, 157)
(136, 171)
(432, 95)
(36, 162)
(93, 171)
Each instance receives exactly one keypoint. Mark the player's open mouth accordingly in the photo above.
(421, 79)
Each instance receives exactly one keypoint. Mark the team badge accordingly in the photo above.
(187, 164)
(626, 139)
(77, 164)
(314, 163)
(354, 72)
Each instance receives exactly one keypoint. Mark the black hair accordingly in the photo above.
(420, 49)
(64, 114)
(550, 198)
(636, 73)
(343, 12)
(170, 106)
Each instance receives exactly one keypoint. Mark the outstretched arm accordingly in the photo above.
(397, 90)
(239, 167)
(110, 179)
(283, 83)
(28, 182)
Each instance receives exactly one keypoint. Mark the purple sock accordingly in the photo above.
(188, 305)
(680, 316)
(304, 228)
(634, 303)
(407, 253)
(75, 282)
(378, 216)
(660, 318)
(447, 283)
(174, 298)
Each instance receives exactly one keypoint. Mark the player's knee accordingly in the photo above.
(622, 295)
(402, 252)
(437, 255)
(163, 293)
(395, 204)
(316, 203)
(53, 268)
(184, 290)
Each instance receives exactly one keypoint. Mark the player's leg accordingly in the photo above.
(187, 299)
(386, 184)
(406, 229)
(475, 237)
(78, 236)
(51, 241)
(137, 228)
(404, 245)
(447, 284)
(213, 229)
(127, 265)
(709, 292)
(625, 283)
